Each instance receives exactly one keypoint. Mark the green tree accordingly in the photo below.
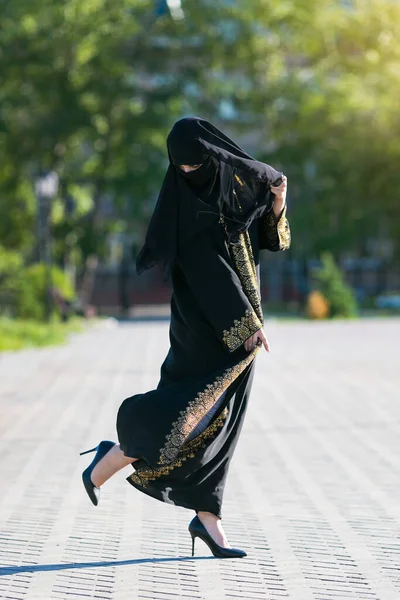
(331, 284)
(336, 125)
(91, 88)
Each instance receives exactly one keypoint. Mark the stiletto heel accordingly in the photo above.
(197, 529)
(88, 451)
(92, 491)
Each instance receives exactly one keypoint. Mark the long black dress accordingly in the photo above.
(184, 432)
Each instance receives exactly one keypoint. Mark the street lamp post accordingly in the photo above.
(46, 187)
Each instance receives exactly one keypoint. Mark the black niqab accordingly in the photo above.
(189, 202)
(203, 179)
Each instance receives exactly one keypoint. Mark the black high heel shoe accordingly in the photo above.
(93, 491)
(197, 529)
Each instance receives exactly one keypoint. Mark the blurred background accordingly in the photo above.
(88, 92)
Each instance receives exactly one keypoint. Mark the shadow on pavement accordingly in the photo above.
(89, 565)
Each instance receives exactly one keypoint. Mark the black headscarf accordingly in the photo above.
(189, 202)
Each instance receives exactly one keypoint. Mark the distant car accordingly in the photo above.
(388, 300)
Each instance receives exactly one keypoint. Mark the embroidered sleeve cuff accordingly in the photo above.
(241, 330)
(283, 231)
(278, 230)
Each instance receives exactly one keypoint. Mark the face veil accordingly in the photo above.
(202, 177)
(189, 202)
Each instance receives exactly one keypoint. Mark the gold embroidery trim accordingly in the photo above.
(284, 232)
(237, 199)
(143, 476)
(241, 330)
(278, 234)
(240, 182)
(250, 256)
(243, 260)
(198, 408)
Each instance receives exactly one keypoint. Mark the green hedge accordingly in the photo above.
(24, 289)
(16, 334)
(32, 291)
(330, 282)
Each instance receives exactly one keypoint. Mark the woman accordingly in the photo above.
(217, 208)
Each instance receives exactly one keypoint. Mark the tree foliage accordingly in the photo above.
(330, 282)
(91, 88)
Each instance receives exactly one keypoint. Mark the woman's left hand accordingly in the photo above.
(252, 342)
(280, 191)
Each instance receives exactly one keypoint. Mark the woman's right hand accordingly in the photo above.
(252, 341)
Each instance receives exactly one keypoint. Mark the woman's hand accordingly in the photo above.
(252, 341)
(280, 196)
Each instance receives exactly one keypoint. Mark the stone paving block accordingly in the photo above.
(313, 493)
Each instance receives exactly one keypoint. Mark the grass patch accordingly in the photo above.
(18, 333)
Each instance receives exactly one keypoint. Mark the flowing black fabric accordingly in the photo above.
(184, 208)
(185, 431)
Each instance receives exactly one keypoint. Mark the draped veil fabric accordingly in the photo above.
(186, 209)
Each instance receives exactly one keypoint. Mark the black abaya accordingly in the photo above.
(184, 432)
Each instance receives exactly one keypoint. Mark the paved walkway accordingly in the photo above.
(313, 493)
